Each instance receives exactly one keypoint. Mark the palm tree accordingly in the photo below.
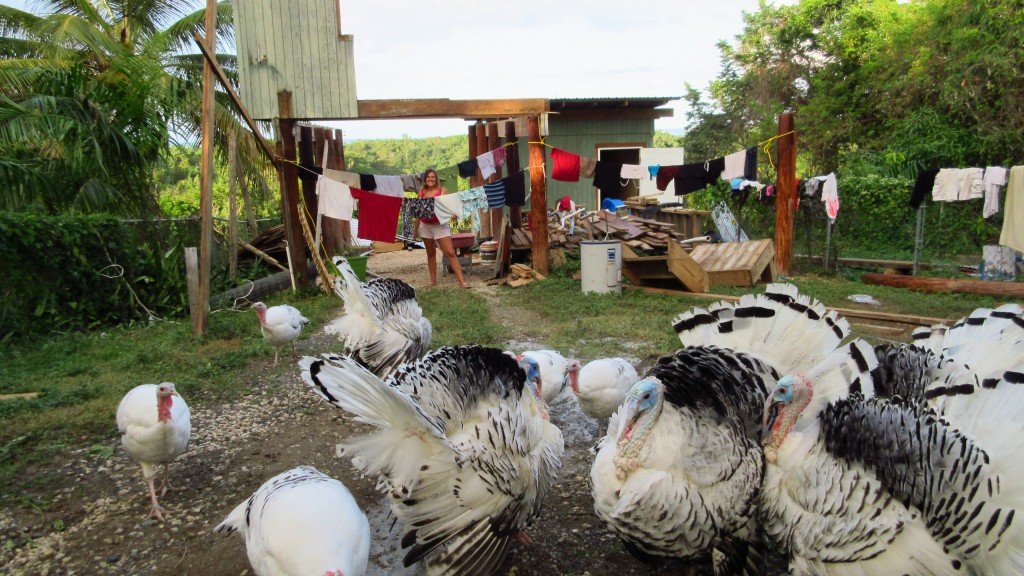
(91, 94)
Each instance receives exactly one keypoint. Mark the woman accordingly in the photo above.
(435, 233)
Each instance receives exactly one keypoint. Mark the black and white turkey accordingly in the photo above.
(680, 471)
(556, 371)
(302, 522)
(382, 325)
(463, 448)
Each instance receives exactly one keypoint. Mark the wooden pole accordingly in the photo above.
(192, 280)
(290, 187)
(515, 213)
(200, 312)
(306, 148)
(232, 205)
(493, 142)
(339, 164)
(924, 284)
(785, 194)
(918, 239)
(481, 147)
(538, 197)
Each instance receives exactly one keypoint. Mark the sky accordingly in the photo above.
(467, 49)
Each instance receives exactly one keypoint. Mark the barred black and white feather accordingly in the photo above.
(382, 325)
(302, 522)
(461, 449)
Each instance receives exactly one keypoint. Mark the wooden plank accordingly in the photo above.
(445, 108)
(200, 315)
(290, 206)
(785, 191)
(687, 270)
(538, 197)
(984, 287)
(846, 312)
(192, 281)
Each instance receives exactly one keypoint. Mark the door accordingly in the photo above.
(660, 157)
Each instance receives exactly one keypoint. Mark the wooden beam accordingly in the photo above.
(212, 61)
(983, 287)
(445, 108)
(200, 314)
(847, 312)
(618, 114)
(232, 204)
(290, 187)
(481, 147)
(785, 194)
(538, 197)
(515, 213)
(493, 143)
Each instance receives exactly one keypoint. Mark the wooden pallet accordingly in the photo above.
(726, 264)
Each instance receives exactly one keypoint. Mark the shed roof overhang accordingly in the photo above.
(577, 108)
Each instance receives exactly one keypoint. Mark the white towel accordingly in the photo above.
(735, 165)
(485, 162)
(1013, 217)
(633, 171)
(994, 180)
(447, 206)
(971, 184)
(947, 185)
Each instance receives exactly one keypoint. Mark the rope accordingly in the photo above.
(767, 145)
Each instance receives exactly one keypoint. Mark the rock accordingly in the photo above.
(149, 522)
(113, 558)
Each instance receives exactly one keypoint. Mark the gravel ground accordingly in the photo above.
(237, 445)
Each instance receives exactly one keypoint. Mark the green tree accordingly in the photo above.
(91, 94)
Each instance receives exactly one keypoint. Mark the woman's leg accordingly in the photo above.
(449, 251)
(428, 243)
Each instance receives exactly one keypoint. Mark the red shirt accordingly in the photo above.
(378, 215)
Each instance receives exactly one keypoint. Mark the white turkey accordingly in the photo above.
(302, 522)
(382, 325)
(679, 472)
(556, 372)
(281, 325)
(155, 428)
(601, 387)
(463, 449)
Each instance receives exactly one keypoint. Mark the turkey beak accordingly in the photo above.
(629, 418)
(770, 411)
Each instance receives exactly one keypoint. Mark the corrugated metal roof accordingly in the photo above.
(611, 103)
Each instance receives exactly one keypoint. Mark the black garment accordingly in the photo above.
(515, 189)
(694, 177)
(309, 173)
(367, 182)
(607, 177)
(468, 168)
(750, 165)
(922, 186)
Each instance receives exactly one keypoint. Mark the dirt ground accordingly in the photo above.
(237, 445)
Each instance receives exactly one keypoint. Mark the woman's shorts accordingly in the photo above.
(434, 231)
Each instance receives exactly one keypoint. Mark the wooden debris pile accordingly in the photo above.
(640, 234)
(519, 275)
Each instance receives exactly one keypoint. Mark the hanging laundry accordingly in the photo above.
(389, 185)
(411, 182)
(515, 189)
(485, 162)
(750, 166)
(829, 195)
(994, 180)
(350, 179)
(1013, 213)
(467, 169)
(495, 194)
(652, 171)
(694, 177)
(335, 199)
(587, 166)
(632, 172)
(971, 186)
(367, 182)
(473, 199)
(922, 185)
(735, 165)
(606, 177)
(500, 154)
(420, 207)
(447, 207)
(666, 174)
(565, 166)
(448, 178)
(378, 215)
(812, 184)
(947, 185)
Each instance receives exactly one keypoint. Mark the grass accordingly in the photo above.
(82, 377)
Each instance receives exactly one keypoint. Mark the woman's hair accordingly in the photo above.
(437, 181)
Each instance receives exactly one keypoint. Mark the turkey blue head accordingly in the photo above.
(533, 383)
(781, 409)
(642, 407)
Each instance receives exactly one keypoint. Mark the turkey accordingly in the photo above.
(679, 472)
(302, 522)
(463, 449)
(154, 424)
(382, 325)
(602, 385)
(280, 325)
(556, 372)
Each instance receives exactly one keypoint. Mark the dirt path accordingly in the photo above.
(238, 445)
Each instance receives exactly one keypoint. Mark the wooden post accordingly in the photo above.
(538, 197)
(306, 146)
(290, 187)
(339, 164)
(493, 142)
(481, 147)
(785, 194)
(232, 205)
(192, 280)
(201, 310)
(515, 213)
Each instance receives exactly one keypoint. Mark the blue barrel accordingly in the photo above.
(611, 204)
